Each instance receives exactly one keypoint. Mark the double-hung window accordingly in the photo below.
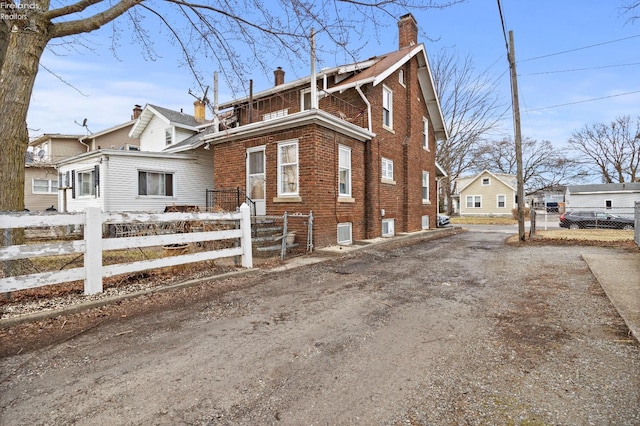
(387, 169)
(344, 171)
(502, 201)
(387, 107)
(425, 133)
(425, 187)
(155, 183)
(288, 168)
(44, 186)
(86, 183)
(474, 201)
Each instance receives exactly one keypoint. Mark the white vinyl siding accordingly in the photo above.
(288, 168)
(344, 171)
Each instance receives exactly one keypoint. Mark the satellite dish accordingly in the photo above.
(41, 153)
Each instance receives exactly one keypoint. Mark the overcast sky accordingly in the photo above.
(578, 63)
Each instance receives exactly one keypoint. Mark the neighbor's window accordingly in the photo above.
(387, 107)
(344, 171)
(608, 204)
(425, 187)
(486, 181)
(288, 168)
(425, 133)
(387, 169)
(168, 136)
(474, 201)
(153, 183)
(86, 184)
(44, 186)
(502, 201)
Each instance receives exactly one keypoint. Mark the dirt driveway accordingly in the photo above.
(461, 330)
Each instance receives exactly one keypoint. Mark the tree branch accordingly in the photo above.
(94, 22)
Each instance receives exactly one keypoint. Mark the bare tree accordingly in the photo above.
(544, 166)
(472, 109)
(631, 8)
(235, 35)
(611, 151)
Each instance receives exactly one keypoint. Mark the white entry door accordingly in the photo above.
(256, 184)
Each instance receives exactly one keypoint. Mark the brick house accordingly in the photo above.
(357, 148)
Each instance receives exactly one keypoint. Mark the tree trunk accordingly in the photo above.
(17, 77)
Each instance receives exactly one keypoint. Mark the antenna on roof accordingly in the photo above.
(204, 98)
(84, 124)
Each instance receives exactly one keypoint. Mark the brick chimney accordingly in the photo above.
(199, 112)
(137, 110)
(279, 76)
(407, 31)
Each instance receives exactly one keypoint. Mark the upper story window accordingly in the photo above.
(288, 168)
(425, 187)
(401, 77)
(486, 181)
(387, 169)
(344, 171)
(168, 136)
(387, 107)
(44, 186)
(155, 183)
(425, 133)
(275, 114)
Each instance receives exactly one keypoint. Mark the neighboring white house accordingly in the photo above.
(487, 193)
(171, 167)
(613, 197)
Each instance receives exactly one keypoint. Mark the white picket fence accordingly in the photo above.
(93, 245)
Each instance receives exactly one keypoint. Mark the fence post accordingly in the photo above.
(245, 225)
(93, 250)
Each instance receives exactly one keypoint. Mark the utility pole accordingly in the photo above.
(518, 136)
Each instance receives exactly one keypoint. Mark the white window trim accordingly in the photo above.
(92, 191)
(428, 186)
(346, 149)
(473, 201)
(425, 221)
(51, 189)
(383, 173)
(498, 201)
(401, 78)
(172, 137)
(283, 194)
(483, 179)
(162, 172)
(344, 225)
(386, 90)
(425, 133)
(275, 114)
(391, 227)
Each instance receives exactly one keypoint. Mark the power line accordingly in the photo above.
(580, 48)
(582, 69)
(584, 101)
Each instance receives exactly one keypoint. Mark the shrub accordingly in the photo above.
(514, 212)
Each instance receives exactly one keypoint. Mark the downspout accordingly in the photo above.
(366, 101)
(314, 87)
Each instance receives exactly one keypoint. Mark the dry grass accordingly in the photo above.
(482, 220)
(587, 237)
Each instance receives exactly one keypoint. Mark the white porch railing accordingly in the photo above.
(93, 245)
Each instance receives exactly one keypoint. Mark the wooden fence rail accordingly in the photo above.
(93, 245)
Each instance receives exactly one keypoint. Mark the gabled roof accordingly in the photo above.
(506, 179)
(170, 117)
(107, 131)
(604, 188)
(372, 71)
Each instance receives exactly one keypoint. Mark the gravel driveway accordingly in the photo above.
(461, 330)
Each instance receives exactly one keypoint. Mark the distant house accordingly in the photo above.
(613, 197)
(41, 174)
(133, 170)
(486, 194)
